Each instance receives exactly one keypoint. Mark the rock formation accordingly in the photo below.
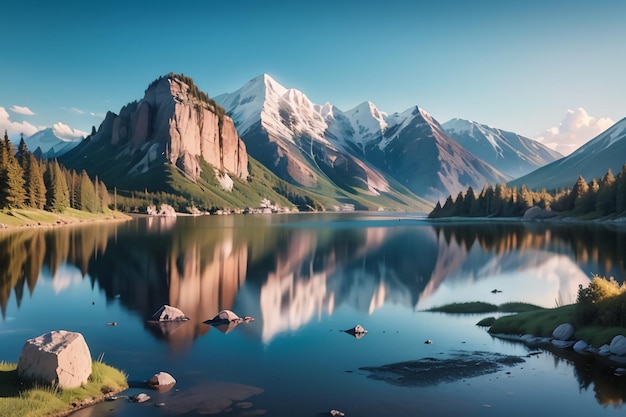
(58, 358)
(178, 123)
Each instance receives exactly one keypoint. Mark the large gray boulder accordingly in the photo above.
(60, 358)
(618, 345)
(563, 332)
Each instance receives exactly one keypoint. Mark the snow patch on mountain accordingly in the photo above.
(50, 143)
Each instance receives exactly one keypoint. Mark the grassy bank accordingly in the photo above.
(32, 217)
(543, 322)
(17, 401)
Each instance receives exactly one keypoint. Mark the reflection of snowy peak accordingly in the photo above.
(359, 149)
(508, 152)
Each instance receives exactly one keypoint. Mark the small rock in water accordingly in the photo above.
(337, 413)
(141, 398)
(159, 404)
(428, 342)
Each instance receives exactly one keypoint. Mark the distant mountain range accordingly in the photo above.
(310, 144)
(268, 141)
(592, 160)
(508, 152)
(46, 144)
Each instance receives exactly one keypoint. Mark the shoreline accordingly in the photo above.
(24, 219)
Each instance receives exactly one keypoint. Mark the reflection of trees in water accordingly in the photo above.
(595, 373)
(587, 243)
(23, 254)
(299, 272)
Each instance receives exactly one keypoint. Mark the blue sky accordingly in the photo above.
(518, 66)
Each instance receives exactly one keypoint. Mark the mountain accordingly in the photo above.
(362, 151)
(305, 144)
(592, 160)
(179, 141)
(45, 144)
(416, 151)
(508, 152)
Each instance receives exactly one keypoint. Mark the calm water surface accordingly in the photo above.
(305, 278)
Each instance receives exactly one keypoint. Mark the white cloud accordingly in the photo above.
(14, 129)
(22, 110)
(576, 129)
(63, 131)
(77, 111)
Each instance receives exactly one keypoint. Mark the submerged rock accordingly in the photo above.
(168, 313)
(433, 371)
(141, 398)
(357, 331)
(162, 381)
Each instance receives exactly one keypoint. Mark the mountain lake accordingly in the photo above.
(305, 279)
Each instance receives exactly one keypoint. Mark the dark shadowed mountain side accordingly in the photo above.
(592, 160)
(418, 153)
(358, 151)
(508, 152)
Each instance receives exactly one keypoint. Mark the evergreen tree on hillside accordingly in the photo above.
(57, 196)
(103, 195)
(620, 191)
(11, 177)
(34, 184)
(87, 201)
(605, 202)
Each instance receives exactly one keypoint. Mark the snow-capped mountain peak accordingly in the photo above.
(509, 152)
(367, 121)
(49, 143)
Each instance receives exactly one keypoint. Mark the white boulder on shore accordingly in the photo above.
(563, 332)
(59, 358)
(618, 345)
(562, 338)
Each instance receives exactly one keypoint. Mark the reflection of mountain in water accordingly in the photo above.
(289, 276)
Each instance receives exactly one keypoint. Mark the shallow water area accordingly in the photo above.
(306, 279)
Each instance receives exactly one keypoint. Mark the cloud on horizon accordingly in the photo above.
(13, 129)
(576, 129)
(63, 131)
(22, 110)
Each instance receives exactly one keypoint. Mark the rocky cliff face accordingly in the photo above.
(176, 122)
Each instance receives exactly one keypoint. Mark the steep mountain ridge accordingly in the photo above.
(357, 149)
(510, 153)
(592, 160)
(174, 123)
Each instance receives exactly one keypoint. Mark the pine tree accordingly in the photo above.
(87, 193)
(103, 195)
(35, 188)
(11, 177)
(57, 196)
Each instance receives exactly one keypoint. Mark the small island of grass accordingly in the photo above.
(598, 315)
(37, 401)
(480, 307)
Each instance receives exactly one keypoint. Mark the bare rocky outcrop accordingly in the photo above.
(177, 123)
(60, 358)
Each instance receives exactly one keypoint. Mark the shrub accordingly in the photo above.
(602, 303)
